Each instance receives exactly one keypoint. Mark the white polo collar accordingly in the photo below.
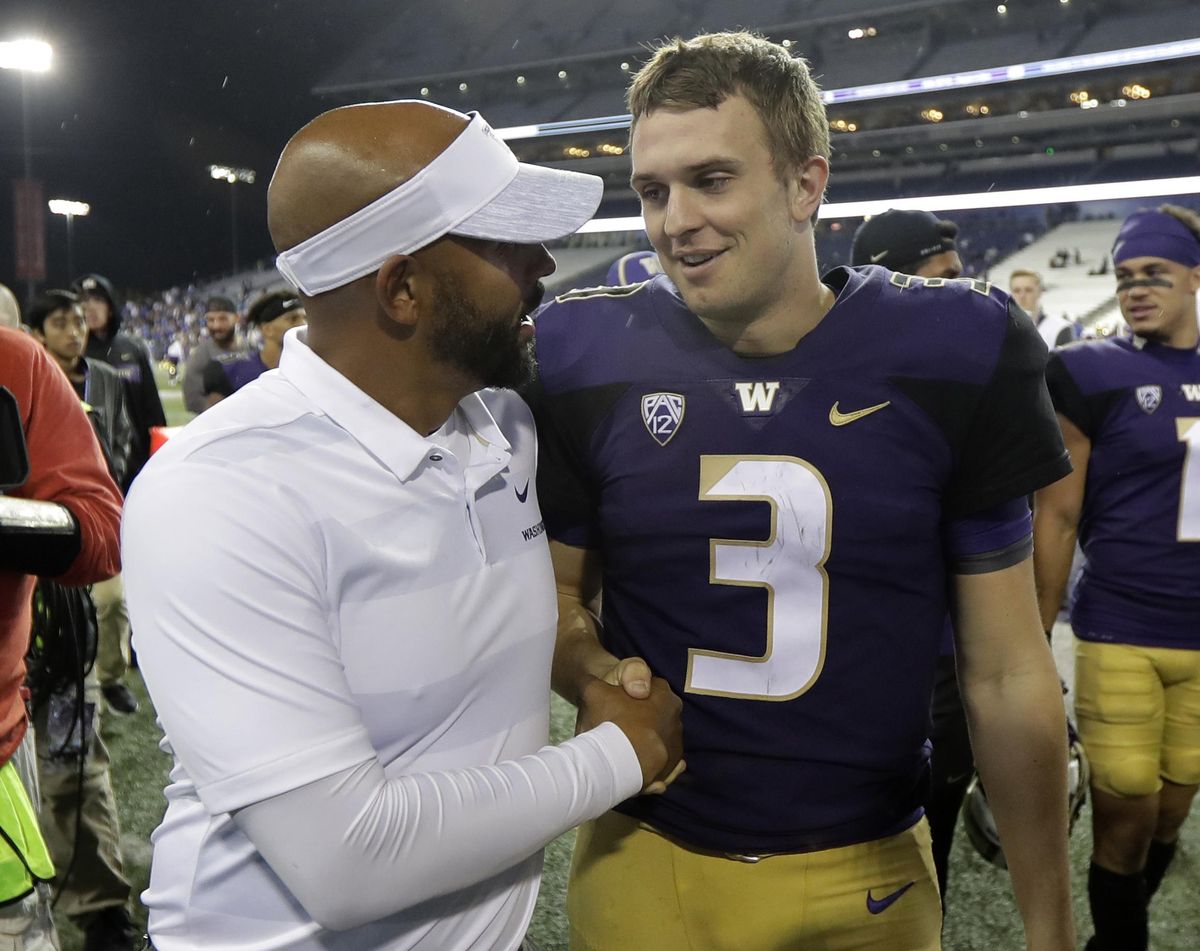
(383, 434)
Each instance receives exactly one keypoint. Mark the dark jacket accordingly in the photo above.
(131, 359)
(104, 394)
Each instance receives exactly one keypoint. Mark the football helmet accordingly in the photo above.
(977, 813)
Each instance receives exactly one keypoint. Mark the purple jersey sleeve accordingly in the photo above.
(992, 540)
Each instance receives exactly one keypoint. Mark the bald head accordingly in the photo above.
(10, 310)
(346, 158)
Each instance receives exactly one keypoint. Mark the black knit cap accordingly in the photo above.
(899, 239)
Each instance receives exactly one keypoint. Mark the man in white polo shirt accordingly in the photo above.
(356, 687)
(1026, 288)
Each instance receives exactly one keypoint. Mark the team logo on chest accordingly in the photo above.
(1149, 398)
(1191, 392)
(757, 397)
(663, 415)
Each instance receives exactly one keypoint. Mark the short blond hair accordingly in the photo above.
(1025, 272)
(704, 71)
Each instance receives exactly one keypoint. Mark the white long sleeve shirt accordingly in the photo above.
(326, 601)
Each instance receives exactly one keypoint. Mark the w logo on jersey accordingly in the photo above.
(663, 415)
(1149, 398)
(1191, 392)
(757, 397)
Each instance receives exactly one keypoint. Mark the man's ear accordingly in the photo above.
(396, 288)
(806, 187)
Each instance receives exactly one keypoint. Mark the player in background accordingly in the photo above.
(273, 315)
(774, 482)
(1130, 414)
(224, 344)
(919, 243)
(911, 242)
(1026, 288)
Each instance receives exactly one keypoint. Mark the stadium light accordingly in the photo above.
(69, 210)
(226, 173)
(968, 201)
(28, 56)
(1063, 66)
(32, 56)
(235, 177)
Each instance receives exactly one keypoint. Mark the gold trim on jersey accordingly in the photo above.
(714, 468)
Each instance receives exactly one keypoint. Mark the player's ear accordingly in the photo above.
(806, 187)
(1194, 279)
(397, 288)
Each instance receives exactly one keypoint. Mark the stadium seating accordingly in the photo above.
(1071, 291)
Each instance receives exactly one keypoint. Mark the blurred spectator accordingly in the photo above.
(176, 354)
(1026, 288)
(224, 344)
(79, 813)
(56, 321)
(272, 316)
(10, 310)
(129, 357)
(79, 508)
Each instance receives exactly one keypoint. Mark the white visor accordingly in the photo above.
(475, 188)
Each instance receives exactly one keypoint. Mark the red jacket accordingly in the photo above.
(65, 466)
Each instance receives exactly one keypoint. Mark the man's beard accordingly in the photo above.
(487, 348)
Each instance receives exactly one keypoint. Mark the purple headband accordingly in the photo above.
(1155, 234)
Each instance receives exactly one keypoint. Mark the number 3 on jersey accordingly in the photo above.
(789, 565)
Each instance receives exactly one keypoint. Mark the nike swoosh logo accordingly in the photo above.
(522, 494)
(876, 258)
(841, 419)
(883, 904)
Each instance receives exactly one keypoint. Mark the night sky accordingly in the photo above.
(142, 97)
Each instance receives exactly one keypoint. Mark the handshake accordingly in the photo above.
(648, 713)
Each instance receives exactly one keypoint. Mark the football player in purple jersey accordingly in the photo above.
(919, 243)
(780, 484)
(1130, 415)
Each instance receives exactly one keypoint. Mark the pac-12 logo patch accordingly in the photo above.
(1149, 398)
(663, 415)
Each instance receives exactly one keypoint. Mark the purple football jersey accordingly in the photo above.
(244, 370)
(773, 530)
(1139, 405)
